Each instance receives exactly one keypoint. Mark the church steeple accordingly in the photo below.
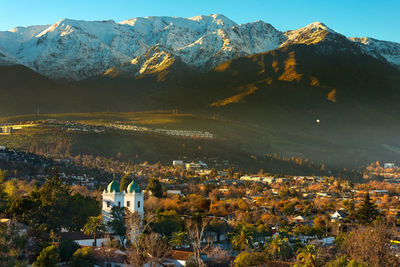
(113, 187)
(133, 187)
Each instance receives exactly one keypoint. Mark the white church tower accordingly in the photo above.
(132, 199)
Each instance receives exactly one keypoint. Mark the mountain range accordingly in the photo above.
(310, 92)
(77, 50)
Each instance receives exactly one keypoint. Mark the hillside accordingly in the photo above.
(223, 151)
(269, 102)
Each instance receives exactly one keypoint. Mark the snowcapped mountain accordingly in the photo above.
(76, 49)
(389, 50)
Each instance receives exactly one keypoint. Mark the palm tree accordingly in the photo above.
(307, 255)
(242, 240)
(94, 225)
(278, 247)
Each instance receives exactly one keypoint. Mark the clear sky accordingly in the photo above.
(373, 18)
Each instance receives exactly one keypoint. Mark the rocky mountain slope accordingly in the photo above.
(77, 50)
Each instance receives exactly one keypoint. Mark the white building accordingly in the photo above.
(132, 199)
(388, 165)
(177, 163)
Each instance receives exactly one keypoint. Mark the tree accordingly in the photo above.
(367, 212)
(155, 187)
(54, 204)
(167, 222)
(278, 248)
(342, 261)
(117, 222)
(371, 245)
(213, 173)
(306, 255)
(178, 239)
(156, 249)
(242, 240)
(350, 209)
(66, 249)
(136, 227)
(83, 257)
(3, 195)
(47, 258)
(245, 259)
(12, 244)
(195, 227)
(94, 225)
(82, 207)
(218, 256)
(125, 181)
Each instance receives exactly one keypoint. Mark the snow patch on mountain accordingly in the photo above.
(6, 59)
(389, 50)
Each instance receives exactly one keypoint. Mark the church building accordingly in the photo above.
(132, 199)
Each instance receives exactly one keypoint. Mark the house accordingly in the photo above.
(177, 163)
(299, 219)
(339, 215)
(111, 257)
(388, 166)
(84, 240)
(193, 166)
(174, 192)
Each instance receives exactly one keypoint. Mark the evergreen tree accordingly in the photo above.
(55, 204)
(125, 181)
(66, 248)
(82, 207)
(155, 187)
(47, 258)
(367, 212)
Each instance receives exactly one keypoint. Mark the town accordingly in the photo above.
(92, 210)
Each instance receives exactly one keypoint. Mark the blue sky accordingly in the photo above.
(373, 18)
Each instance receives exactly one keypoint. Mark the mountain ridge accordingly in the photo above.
(77, 49)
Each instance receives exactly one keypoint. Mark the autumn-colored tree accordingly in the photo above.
(371, 245)
(156, 249)
(195, 228)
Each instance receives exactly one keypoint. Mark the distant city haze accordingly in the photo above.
(377, 19)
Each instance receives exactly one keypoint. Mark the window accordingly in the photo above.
(119, 203)
(108, 204)
(138, 204)
(128, 203)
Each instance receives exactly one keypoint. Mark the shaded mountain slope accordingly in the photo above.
(276, 97)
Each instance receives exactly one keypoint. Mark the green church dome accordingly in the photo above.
(113, 186)
(133, 187)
